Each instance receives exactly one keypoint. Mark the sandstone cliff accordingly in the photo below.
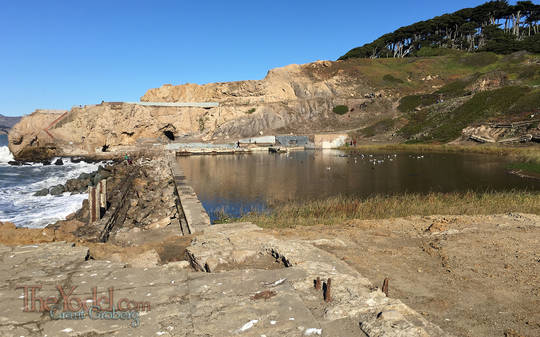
(295, 98)
(389, 100)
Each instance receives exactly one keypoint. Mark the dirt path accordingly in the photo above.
(471, 275)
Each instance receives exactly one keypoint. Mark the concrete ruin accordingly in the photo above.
(330, 141)
(238, 281)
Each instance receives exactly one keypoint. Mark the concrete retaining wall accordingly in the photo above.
(195, 215)
(292, 140)
(271, 140)
(330, 141)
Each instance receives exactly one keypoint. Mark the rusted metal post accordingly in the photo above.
(328, 291)
(318, 283)
(385, 286)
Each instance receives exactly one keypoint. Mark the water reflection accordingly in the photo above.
(238, 183)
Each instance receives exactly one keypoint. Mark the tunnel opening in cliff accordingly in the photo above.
(168, 134)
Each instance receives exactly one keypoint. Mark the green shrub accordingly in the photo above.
(409, 103)
(416, 124)
(482, 106)
(340, 109)
(529, 72)
(530, 102)
(437, 127)
(250, 111)
(379, 127)
(202, 122)
(456, 88)
(391, 79)
(430, 51)
(478, 59)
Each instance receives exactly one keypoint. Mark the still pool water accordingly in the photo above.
(237, 184)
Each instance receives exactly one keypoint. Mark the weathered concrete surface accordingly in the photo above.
(195, 215)
(270, 300)
(472, 275)
(330, 141)
(355, 299)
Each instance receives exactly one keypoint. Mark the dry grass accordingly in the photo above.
(336, 210)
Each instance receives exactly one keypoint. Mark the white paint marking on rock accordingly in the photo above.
(291, 319)
(67, 330)
(248, 325)
(312, 331)
(371, 302)
(273, 322)
(278, 282)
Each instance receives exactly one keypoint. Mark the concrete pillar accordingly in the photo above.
(97, 204)
(103, 195)
(92, 217)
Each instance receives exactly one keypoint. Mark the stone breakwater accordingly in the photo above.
(223, 280)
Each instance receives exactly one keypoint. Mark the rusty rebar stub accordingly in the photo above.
(318, 283)
(385, 286)
(328, 291)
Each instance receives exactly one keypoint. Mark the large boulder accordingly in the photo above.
(77, 185)
(41, 193)
(57, 190)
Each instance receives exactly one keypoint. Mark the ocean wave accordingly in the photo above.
(5, 155)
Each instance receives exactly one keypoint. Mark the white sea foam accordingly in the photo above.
(19, 183)
(5, 155)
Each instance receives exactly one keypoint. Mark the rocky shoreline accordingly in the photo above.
(149, 211)
(79, 184)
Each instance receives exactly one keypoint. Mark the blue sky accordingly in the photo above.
(56, 54)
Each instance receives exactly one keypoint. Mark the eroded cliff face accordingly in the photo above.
(295, 98)
(29, 140)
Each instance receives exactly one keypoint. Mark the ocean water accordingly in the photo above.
(19, 183)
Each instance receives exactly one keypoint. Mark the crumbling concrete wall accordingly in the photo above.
(330, 141)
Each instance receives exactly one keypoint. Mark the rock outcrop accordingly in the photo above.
(28, 139)
(295, 98)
